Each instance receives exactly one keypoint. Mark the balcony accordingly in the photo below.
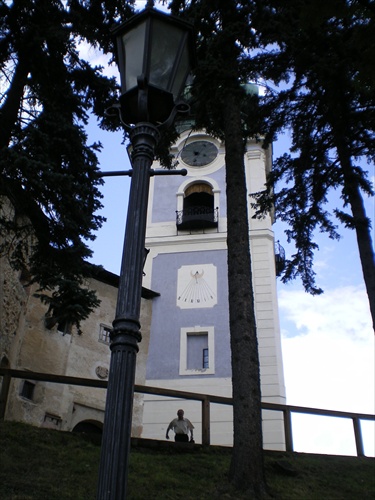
(279, 258)
(197, 217)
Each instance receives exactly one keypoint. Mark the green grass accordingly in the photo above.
(40, 464)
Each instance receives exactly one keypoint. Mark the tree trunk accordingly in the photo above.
(247, 468)
(340, 120)
(361, 223)
(12, 104)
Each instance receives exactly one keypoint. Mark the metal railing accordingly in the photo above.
(279, 258)
(197, 217)
(206, 400)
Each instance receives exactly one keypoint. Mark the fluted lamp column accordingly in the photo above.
(155, 56)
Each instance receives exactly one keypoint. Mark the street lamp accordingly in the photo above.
(155, 56)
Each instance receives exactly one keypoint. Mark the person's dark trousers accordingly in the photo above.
(181, 438)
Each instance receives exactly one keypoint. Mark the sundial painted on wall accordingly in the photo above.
(197, 286)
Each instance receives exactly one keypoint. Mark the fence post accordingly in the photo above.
(288, 429)
(4, 394)
(206, 421)
(358, 437)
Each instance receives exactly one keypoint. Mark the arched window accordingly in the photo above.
(4, 362)
(199, 195)
(198, 210)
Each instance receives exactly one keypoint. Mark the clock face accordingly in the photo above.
(199, 153)
(197, 286)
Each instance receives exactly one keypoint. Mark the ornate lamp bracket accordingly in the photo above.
(180, 108)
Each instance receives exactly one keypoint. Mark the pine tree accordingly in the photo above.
(47, 169)
(222, 107)
(322, 53)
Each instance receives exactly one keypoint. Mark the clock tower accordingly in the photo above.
(189, 347)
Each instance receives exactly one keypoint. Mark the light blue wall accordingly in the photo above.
(167, 319)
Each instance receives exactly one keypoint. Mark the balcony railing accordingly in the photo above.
(279, 258)
(197, 217)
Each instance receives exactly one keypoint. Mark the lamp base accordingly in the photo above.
(148, 104)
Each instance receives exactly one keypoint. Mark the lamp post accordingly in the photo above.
(155, 55)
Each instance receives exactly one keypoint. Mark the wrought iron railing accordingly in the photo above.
(279, 258)
(197, 217)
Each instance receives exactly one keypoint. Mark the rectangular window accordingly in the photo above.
(196, 345)
(105, 334)
(64, 326)
(27, 390)
(52, 421)
(197, 351)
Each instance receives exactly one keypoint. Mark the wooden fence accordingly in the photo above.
(206, 400)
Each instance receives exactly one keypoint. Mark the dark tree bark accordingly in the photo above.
(359, 221)
(11, 108)
(247, 469)
(222, 107)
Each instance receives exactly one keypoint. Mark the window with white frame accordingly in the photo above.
(105, 334)
(197, 353)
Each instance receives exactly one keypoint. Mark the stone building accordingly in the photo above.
(26, 343)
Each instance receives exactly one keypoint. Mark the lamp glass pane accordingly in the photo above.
(133, 43)
(183, 70)
(165, 44)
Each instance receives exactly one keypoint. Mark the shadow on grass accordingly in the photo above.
(40, 464)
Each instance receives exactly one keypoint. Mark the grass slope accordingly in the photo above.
(40, 464)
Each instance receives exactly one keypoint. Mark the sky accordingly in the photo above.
(327, 340)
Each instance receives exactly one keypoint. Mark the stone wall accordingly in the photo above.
(13, 295)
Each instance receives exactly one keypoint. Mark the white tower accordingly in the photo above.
(189, 346)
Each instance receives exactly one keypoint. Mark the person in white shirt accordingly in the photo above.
(181, 426)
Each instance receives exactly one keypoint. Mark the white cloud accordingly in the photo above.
(339, 312)
(97, 58)
(328, 352)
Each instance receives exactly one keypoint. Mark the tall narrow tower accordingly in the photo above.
(189, 346)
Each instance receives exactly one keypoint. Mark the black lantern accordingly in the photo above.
(154, 55)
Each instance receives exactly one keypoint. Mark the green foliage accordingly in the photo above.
(47, 169)
(317, 54)
(316, 61)
(45, 464)
(224, 39)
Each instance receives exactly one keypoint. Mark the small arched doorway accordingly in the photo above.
(89, 427)
(91, 430)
